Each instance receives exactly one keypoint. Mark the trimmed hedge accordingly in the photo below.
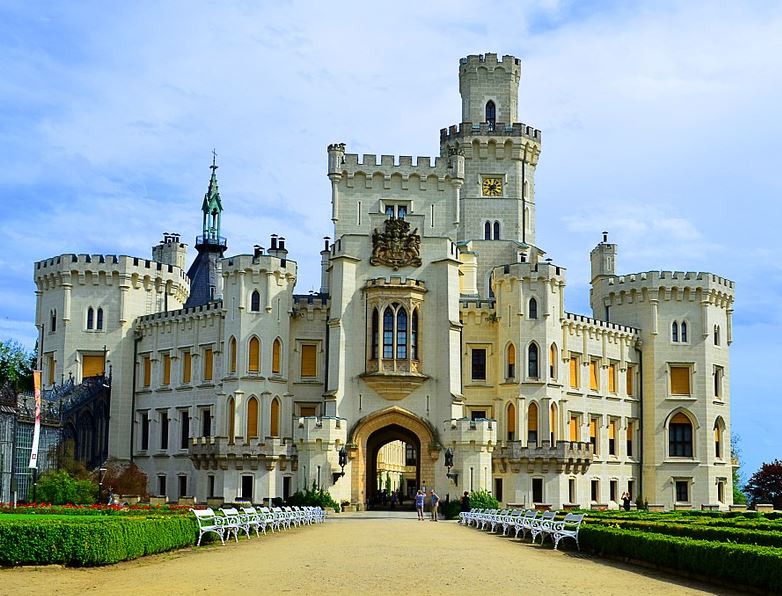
(737, 535)
(92, 540)
(757, 566)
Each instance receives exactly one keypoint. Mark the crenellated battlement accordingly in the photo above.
(259, 263)
(324, 429)
(396, 282)
(465, 431)
(489, 61)
(310, 302)
(390, 165)
(82, 263)
(500, 129)
(168, 316)
(663, 278)
(538, 270)
(597, 324)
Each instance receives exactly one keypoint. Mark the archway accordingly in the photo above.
(375, 442)
(374, 431)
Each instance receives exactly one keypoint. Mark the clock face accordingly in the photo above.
(492, 187)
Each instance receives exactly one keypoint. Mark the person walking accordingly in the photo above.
(435, 503)
(464, 507)
(419, 504)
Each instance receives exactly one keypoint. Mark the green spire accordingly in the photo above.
(212, 207)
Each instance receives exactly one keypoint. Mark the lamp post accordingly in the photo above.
(343, 461)
(449, 464)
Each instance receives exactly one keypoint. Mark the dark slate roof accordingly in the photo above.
(203, 274)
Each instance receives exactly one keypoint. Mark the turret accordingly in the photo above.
(603, 258)
(170, 251)
(489, 88)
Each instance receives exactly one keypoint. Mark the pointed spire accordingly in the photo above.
(212, 206)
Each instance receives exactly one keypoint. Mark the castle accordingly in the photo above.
(439, 325)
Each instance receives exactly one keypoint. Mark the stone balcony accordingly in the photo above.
(213, 453)
(564, 457)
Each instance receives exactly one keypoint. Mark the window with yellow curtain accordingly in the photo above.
(231, 420)
(630, 430)
(252, 418)
(511, 422)
(208, 364)
(612, 437)
(187, 367)
(630, 377)
(147, 371)
(254, 355)
(574, 428)
(308, 361)
(510, 371)
(232, 355)
(593, 380)
(574, 371)
(275, 418)
(612, 378)
(51, 365)
(553, 426)
(92, 366)
(276, 349)
(532, 424)
(552, 361)
(593, 434)
(717, 440)
(680, 380)
(306, 411)
(166, 369)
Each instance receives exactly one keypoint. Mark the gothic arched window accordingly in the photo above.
(99, 319)
(252, 418)
(375, 325)
(90, 318)
(401, 334)
(254, 355)
(388, 333)
(533, 370)
(533, 308)
(684, 332)
(675, 332)
(274, 419)
(414, 336)
(276, 356)
(491, 114)
(255, 301)
(680, 436)
(496, 230)
(487, 231)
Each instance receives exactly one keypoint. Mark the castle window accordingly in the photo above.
(680, 436)
(414, 336)
(533, 308)
(487, 231)
(675, 332)
(252, 418)
(496, 230)
(276, 356)
(184, 434)
(99, 320)
(388, 333)
(510, 370)
(491, 114)
(573, 428)
(147, 367)
(532, 425)
(375, 325)
(682, 491)
(553, 423)
(612, 437)
(478, 369)
(163, 430)
(53, 321)
(630, 430)
(612, 378)
(231, 417)
(187, 366)
(166, 369)
(511, 421)
(630, 375)
(718, 432)
(593, 434)
(716, 335)
(90, 318)
(274, 419)
(680, 380)
(254, 355)
(401, 334)
(684, 332)
(144, 431)
(396, 211)
(255, 301)
(208, 364)
(308, 361)
(575, 381)
(719, 373)
(552, 362)
(594, 380)
(533, 363)
(232, 355)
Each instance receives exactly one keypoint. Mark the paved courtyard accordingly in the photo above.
(359, 554)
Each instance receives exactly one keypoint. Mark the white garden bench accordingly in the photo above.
(566, 528)
(209, 522)
(524, 524)
(541, 524)
(510, 520)
(255, 520)
(234, 522)
(497, 518)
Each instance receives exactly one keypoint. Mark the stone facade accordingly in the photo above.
(439, 323)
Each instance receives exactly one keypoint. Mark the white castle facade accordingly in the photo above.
(439, 323)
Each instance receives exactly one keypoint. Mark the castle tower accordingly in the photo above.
(170, 251)
(489, 88)
(603, 262)
(204, 273)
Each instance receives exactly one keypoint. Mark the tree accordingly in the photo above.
(16, 365)
(735, 459)
(124, 478)
(58, 487)
(765, 485)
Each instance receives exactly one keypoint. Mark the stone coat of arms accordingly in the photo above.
(396, 246)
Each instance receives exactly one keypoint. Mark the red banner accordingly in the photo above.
(37, 431)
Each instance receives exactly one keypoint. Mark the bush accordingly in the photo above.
(91, 541)
(758, 566)
(450, 510)
(313, 497)
(482, 499)
(60, 488)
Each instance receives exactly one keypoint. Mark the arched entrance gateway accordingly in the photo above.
(374, 431)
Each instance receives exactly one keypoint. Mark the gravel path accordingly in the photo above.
(359, 554)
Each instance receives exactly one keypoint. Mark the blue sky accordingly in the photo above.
(661, 124)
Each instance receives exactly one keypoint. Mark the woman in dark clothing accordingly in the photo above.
(465, 506)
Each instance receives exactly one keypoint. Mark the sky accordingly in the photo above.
(661, 124)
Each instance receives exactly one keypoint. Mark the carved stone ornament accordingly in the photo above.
(396, 246)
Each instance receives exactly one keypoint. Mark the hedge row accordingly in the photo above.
(757, 566)
(700, 531)
(93, 540)
(745, 520)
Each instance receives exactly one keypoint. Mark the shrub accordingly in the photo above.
(60, 488)
(757, 566)
(313, 497)
(482, 499)
(88, 541)
(450, 510)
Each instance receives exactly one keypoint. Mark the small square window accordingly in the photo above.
(478, 369)
(682, 491)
